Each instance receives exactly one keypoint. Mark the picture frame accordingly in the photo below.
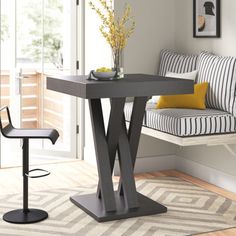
(206, 19)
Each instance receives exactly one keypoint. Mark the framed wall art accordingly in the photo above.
(206, 18)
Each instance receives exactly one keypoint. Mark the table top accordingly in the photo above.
(132, 85)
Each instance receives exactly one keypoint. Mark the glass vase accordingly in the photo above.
(118, 63)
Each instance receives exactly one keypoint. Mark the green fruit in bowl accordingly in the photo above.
(103, 69)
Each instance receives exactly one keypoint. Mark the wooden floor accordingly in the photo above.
(75, 173)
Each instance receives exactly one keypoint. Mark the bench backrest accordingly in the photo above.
(218, 71)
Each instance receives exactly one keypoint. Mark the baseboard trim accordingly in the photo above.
(160, 163)
(151, 164)
(208, 174)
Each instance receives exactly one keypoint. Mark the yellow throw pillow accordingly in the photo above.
(194, 101)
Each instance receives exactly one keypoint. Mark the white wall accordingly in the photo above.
(219, 157)
(155, 29)
(184, 24)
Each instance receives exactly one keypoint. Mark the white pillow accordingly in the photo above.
(153, 100)
(189, 75)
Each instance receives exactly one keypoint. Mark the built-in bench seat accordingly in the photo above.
(187, 127)
(211, 121)
(186, 122)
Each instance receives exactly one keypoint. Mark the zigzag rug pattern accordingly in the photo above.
(191, 210)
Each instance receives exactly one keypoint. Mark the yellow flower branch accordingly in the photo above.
(115, 30)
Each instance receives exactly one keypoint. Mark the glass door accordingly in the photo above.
(38, 38)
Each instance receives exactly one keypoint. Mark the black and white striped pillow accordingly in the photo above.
(178, 63)
(219, 72)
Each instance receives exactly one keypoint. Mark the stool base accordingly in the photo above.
(20, 217)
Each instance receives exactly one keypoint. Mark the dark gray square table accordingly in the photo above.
(126, 202)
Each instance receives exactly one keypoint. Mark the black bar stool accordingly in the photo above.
(26, 215)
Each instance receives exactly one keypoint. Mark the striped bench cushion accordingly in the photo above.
(128, 111)
(186, 122)
(220, 72)
(178, 63)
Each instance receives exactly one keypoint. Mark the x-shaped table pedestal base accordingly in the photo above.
(126, 202)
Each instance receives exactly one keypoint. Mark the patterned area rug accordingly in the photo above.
(191, 210)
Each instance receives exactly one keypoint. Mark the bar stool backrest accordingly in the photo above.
(5, 120)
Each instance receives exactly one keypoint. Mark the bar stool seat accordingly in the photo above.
(26, 215)
(11, 132)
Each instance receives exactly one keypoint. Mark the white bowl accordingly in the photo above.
(104, 75)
